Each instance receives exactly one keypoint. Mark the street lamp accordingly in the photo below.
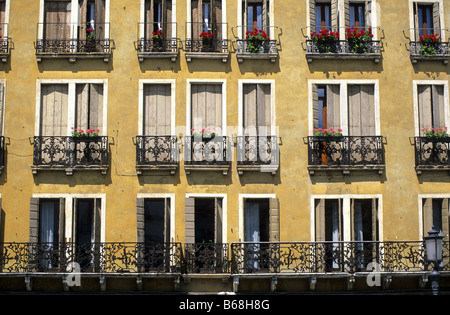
(433, 248)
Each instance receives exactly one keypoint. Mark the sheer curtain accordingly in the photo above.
(252, 233)
(47, 232)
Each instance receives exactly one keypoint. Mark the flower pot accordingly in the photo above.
(158, 45)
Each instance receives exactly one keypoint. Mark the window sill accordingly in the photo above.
(443, 58)
(261, 168)
(69, 170)
(344, 56)
(158, 55)
(215, 168)
(347, 169)
(72, 57)
(207, 55)
(256, 56)
(172, 168)
(432, 168)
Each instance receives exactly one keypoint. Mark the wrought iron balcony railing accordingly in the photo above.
(207, 153)
(156, 152)
(206, 258)
(423, 48)
(91, 258)
(235, 258)
(247, 48)
(72, 40)
(68, 153)
(432, 153)
(157, 40)
(346, 152)
(206, 41)
(257, 153)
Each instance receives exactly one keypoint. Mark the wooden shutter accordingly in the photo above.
(97, 220)
(427, 215)
(34, 220)
(368, 13)
(99, 23)
(436, 19)
(335, 15)
(2, 107)
(333, 107)
(206, 107)
(197, 18)
(424, 104)
(140, 220)
(312, 15)
(61, 223)
(257, 109)
(361, 110)
(83, 19)
(189, 220)
(157, 109)
(54, 107)
(216, 11)
(319, 205)
(437, 96)
(445, 218)
(57, 20)
(315, 103)
(218, 220)
(89, 106)
(274, 220)
(347, 13)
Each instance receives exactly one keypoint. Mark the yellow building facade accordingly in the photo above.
(258, 201)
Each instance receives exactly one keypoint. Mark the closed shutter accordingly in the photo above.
(218, 220)
(445, 218)
(54, 100)
(157, 109)
(57, 20)
(140, 224)
(361, 110)
(319, 208)
(217, 18)
(347, 13)
(315, 104)
(438, 106)
(368, 13)
(427, 215)
(333, 107)
(83, 19)
(274, 220)
(431, 106)
(190, 220)
(206, 107)
(89, 106)
(197, 18)
(34, 220)
(2, 107)
(257, 109)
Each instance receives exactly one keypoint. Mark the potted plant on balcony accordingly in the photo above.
(158, 40)
(207, 41)
(429, 44)
(325, 41)
(79, 134)
(327, 133)
(256, 40)
(90, 40)
(205, 134)
(435, 133)
(359, 41)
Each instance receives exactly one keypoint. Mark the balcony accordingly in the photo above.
(163, 46)
(432, 154)
(5, 43)
(206, 41)
(243, 261)
(70, 153)
(57, 42)
(425, 48)
(352, 48)
(259, 49)
(156, 153)
(257, 153)
(346, 153)
(207, 154)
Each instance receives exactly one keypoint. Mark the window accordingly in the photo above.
(158, 17)
(323, 16)
(153, 217)
(357, 12)
(427, 18)
(157, 109)
(92, 19)
(63, 221)
(431, 107)
(356, 118)
(67, 105)
(435, 214)
(257, 109)
(333, 229)
(256, 15)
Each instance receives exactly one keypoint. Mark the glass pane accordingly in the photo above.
(85, 219)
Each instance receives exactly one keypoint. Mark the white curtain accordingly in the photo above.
(252, 233)
(47, 231)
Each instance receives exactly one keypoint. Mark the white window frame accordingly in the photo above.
(241, 83)
(71, 102)
(144, 82)
(416, 83)
(170, 196)
(189, 82)
(3, 103)
(343, 99)
(346, 215)
(189, 19)
(142, 19)
(224, 210)
(411, 15)
(74, 19)
(7, 9)
(68, 228)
